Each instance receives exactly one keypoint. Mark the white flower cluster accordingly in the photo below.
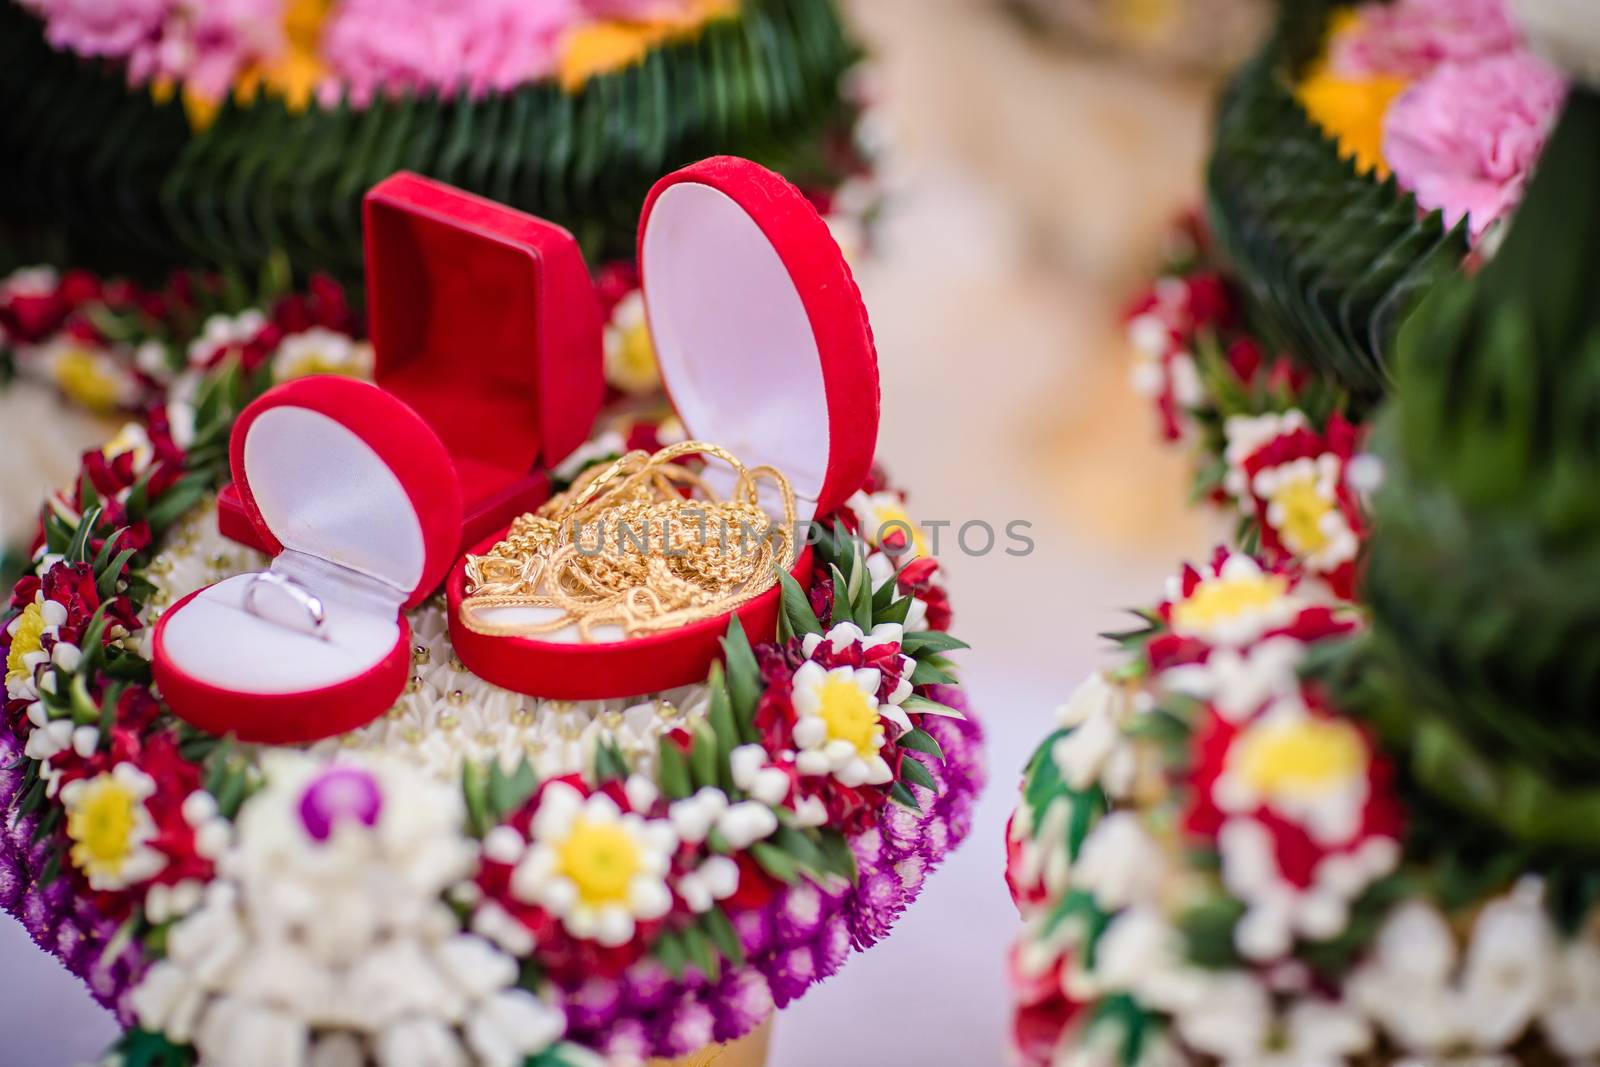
(325, 939)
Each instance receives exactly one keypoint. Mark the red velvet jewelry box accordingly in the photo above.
(484, 322)
(765, 348)
(360, 503)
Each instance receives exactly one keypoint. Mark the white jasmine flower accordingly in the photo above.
(1430, 1000)
(1119, 863)
(1239, 682)
(1097, 751)
(321, 351)
(1278, 910)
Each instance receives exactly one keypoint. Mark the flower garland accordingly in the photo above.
(1216, 862)
(477, 874)
(1280, 449)
(1236, 848)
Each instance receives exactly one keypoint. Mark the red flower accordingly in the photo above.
(1044, 1012)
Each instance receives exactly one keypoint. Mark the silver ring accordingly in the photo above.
(315, 614)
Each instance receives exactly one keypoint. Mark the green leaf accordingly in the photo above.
(508, 792)
(931, 641)
(78, 548)
(720, 930)
(744, 679)
(843, 608)
(776, 862)
(670, 951)
(921, 741)
(475, 790)
(107, 583)
(797, 607)
(904, 797)
(927, 674)
(673, 771)
(703, 759)
(1208, 931)
(838, 859)
(609, 763)
(912, 771)
(897, 612)
(720, 716)
(922, 705)
(887, 592)
(697, 947)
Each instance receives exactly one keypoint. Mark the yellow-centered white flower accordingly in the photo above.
(598, 869)
(839, 726)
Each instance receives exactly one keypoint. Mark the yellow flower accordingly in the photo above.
(1224, 598)
(630, 351)
(26, 635)
(884, 517)
(850, 715)
(838, 727)
(110, 827)
(87, 378)
(602, 859)
(1304, 507)
(1351, 110)
(603, 47)
(1304, 758)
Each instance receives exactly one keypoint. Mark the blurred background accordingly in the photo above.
(1037, 152)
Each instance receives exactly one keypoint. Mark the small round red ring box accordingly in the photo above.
(765, 348)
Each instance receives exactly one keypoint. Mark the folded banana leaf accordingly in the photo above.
(1332, 259)
(120, 182)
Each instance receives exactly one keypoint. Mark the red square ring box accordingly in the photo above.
(765, 349)
(485, 322)
(360, 504)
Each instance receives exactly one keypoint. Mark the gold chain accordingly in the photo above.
(643, 544)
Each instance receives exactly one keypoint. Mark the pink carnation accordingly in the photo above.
(1464, 139)
(480, 46)
(101, 28)
(638, 10)
(1409, 38)
(204, 45)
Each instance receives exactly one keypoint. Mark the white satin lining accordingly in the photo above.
(735, 344)
(324, 492)
(217, 640)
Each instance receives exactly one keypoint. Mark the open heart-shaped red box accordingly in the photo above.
(765, 348)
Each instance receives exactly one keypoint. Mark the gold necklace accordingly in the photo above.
(643, 545)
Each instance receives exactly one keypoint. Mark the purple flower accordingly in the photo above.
(801, 916)
(338, 795)
(744, 999)
(1464, 139)
(689, 1030)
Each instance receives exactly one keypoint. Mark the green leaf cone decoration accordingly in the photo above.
(110, 179)
(1484, 575)
(1331, 259)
